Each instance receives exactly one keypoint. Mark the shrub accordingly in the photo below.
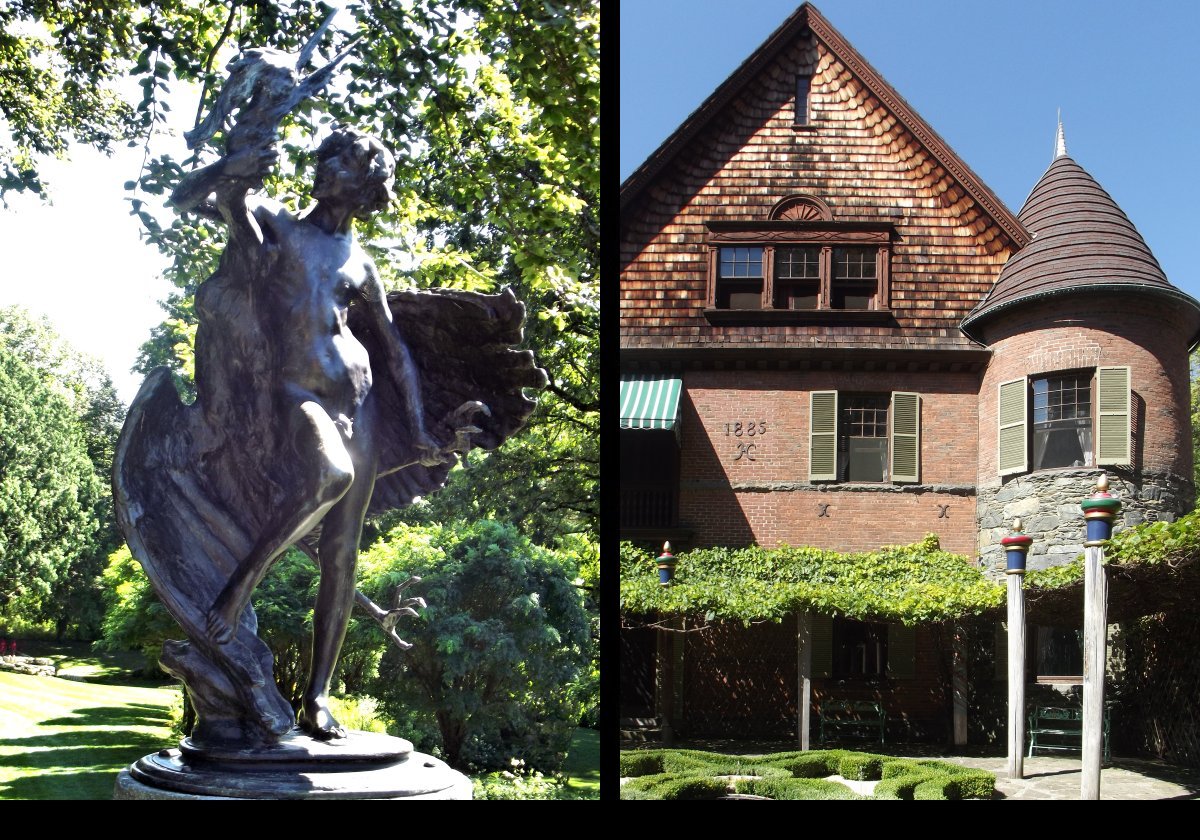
(775, 788)
(641, 763)
(860, 766)
(667, 786)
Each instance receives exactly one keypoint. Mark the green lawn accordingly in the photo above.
(582, 766)
(61, 739)
(68, 740)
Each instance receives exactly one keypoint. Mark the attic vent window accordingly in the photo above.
(802, 117)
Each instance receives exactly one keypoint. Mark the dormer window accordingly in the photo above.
(798, 264)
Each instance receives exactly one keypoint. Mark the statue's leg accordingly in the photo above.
(341, 531)
(328, 472)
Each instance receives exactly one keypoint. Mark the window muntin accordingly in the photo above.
(740, 281)
(797, 278)
(863, 438)
(855, 278)
(1062, 421)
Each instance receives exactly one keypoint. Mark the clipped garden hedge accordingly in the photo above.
(692, 774)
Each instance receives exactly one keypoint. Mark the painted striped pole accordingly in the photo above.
(1100, 510)
(1016, 548)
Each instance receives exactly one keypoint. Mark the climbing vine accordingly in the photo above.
(910, 584)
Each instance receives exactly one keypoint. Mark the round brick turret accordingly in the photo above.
(1085, 295)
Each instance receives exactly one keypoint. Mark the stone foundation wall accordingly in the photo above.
(1048, 505)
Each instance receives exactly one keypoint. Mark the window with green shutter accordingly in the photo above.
(1013, 439)
(823, 436)
(1067, 419)
(1113, 410)
(906, 436)
(867, 438)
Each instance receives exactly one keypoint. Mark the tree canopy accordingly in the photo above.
(82, 408)
(51, 501)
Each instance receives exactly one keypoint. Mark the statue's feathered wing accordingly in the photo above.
(463, 346)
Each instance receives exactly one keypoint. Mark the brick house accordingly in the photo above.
(834, 334)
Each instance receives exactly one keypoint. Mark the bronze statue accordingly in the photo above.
(320, 398)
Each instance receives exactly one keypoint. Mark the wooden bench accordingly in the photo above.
(1060, 729)
(857, 718)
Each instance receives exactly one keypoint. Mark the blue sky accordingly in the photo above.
(988, 77)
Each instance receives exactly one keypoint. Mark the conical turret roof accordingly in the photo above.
(1082, 241)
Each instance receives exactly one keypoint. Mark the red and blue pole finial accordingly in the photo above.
(1100, 510)
(1016, 547)
(666, 565)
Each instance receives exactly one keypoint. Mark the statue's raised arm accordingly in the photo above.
(263, 87)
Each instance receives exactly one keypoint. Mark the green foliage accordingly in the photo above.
(640, 763)
(283, 604)
(1055, 576)
(359, 713)
(56, 81)
(75, 599)
(51, 500)
(134, 618)
(1155, 543)
(521, 783)
(797, 775)
(800, 788)
(860, 767)
(910, 584)
(503, 637)
(668, 786)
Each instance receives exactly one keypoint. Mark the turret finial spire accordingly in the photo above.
(1060, 140)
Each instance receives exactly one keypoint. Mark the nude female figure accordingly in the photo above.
(299, 277)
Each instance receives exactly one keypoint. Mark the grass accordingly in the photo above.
(77, 660)
(582, 767)
(61, 739)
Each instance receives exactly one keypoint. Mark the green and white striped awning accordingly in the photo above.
(650, 401)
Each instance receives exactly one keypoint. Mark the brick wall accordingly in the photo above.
(1087, 331)
(732, 500)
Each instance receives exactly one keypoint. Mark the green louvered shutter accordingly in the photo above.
(1012, 451)
(1001, 657)
(1112, 402)
(902, 652)
(822, 436)
(822, 646)
(906, 436)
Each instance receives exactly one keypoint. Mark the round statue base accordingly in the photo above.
(364, 765)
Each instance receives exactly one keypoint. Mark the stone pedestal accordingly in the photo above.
(364, 765)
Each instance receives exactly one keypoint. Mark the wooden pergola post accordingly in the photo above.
(1100, 510)
(803, 678)
(1016, 547)
(958, 684)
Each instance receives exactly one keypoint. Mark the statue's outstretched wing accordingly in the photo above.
(462, 344)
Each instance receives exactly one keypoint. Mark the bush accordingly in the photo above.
(494, 654)
(359, 713)
(795, 789)
(860, 767)
(667, 786)
(641, 763)
(797, 775)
